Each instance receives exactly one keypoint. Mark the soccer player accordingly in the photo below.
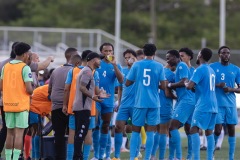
(16, 86)
(126, 105)
(186, 55)
(68, 98)
(147, 74)
(205, 112)
(185, 99)
(166, 110)
(108, 71)
(227, 78)
(56, 91)
(83, 102)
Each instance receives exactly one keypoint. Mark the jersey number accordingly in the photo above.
(147, 78)
(212, 82)
(12, 79)
(222, 76)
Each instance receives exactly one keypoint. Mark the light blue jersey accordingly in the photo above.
(107, 78)
(191, 69)
(230, 75)
(183, 95)
(128, 93)
(204, 78)
(146, 74)
(166, 103)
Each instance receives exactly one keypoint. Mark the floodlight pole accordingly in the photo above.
(117, 30)
(222, 30)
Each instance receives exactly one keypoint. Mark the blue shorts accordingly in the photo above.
(92, 122)
(71, 123)
(227, 115)
(102, 108)
(33, 118)
(183, 112)
(150, 116)
(164, 118)
(204, 120)
(124, 113)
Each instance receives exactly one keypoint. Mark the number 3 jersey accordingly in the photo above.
(204, 78)
(147, 75)
(230, 75)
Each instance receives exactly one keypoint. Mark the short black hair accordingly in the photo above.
(75, 58)
(84, 54)
(188, 51)
(139, 52)
(206, 54)
(149, 49)
(69, 51)
(219, 50)
(130, 51)
(105, 44)
(174, 52)
(12, 54)
(21, 48)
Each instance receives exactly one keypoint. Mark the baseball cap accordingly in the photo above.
(93, 55)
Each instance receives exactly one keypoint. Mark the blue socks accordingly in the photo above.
(215, 139)
(189, 155)
(103, 143)
(70, 148)
(196, 144)
(134, 144)
(176, 139)
(232, 145)
(156, 144)
(86, 151)
(149, 144)
(95, 136)
(210, 147)
(35, 147)
(162, 145)
(118, 142)
(108, 146)
(171, 149)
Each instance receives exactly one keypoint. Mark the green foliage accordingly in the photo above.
(179, 23)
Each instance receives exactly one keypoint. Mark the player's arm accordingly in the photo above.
(162, 85)
(229, 89)
(119, 98)
(118, 73)
(168, 92)
(189, 85)
(178, 84)
(1, 85)
(66, 97)
(44, 64)
(29, 88)
(129, 83)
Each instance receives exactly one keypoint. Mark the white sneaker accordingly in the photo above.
(94, 158)
(139, 155)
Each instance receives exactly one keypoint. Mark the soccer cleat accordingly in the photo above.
(94, 158)
(115, 158)
(136, 158)
(217, 148)
(203, 148)
(108, 158)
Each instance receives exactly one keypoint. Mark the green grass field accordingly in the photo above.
(219, 155)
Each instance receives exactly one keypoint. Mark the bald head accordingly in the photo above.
(35, 58)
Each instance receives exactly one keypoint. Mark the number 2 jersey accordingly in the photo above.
(147, 75)
(230, 75)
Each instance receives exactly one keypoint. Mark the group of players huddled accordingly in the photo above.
(80, 98)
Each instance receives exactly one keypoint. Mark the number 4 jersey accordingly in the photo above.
(147, 75)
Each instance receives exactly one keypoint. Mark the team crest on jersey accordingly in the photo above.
(30, 75)
(180, 67)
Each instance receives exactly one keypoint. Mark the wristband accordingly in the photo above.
(169, 85)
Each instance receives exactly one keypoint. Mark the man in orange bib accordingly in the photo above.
(16, 86)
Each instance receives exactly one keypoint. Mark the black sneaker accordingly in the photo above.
(203, 148)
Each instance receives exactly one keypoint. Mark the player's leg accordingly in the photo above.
(106, 115)
(164, 129)
(88, 139)
(96, 132)
(3, 132)
(156, 142)
(10, 123)
(71, 133)
(82, 121)
(175, 137)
